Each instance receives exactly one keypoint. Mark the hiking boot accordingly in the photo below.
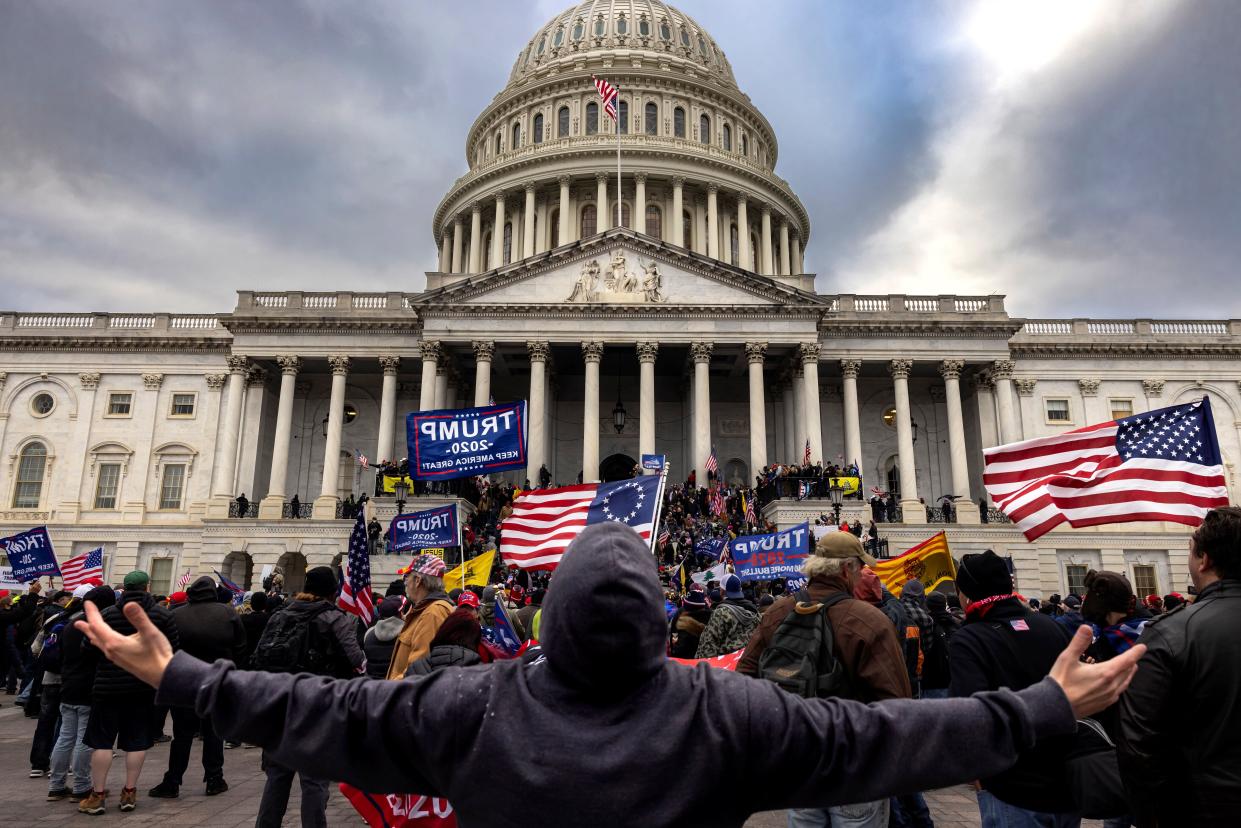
(94, 803)
(216, 786)
(57, 794)
(164, 790)
(129, 799)
(78, 796)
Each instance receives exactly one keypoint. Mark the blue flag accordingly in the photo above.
(776, 555)
(428, 529)
(464, 442)
(30, 554)
(710, 547)
(502, 633)
(239, 594)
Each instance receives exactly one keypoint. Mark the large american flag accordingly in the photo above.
(545, 521)
(77, 571)
(712, 465)
(609, 94)
(355, 592)
(1162, 465)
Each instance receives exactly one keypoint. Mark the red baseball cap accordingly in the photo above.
(467, 599)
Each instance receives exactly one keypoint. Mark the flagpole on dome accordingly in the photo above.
(618, 160)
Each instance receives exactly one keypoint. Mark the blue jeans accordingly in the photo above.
(73, 719)
(997, 814)
(858, 815)
(936, 693)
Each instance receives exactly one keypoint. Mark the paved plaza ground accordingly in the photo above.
(22, 798)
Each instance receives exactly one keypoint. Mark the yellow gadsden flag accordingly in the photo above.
(473, 572)
(930, 562)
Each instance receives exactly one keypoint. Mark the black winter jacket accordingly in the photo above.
(1180, 732)
(333, 632)
(253, 623)
(78, 661)
(113, 683)
(209, 629)
(535, 730)
(378, 644)
(445, 655)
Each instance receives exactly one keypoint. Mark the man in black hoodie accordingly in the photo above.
(209, 630)
(534, 730)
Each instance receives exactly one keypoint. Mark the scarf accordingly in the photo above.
(1124, 634)
(979, 609)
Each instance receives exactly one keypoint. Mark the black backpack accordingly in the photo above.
(799, 658)
(292, 642)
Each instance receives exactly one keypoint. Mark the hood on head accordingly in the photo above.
(202, 590)
(603, 625)
(913, 589)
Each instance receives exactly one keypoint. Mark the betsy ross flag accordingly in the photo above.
(355, 592)
(1161, 465)
(545, 521)
(609, 94)
(77, 571)
(712, 465)
(805, 457)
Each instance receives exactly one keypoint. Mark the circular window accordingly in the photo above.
(889, 418)
(351, 413)
(42, 404)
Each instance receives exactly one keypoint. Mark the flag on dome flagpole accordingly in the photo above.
(805, 458)
(1160, 465)
(355, 593)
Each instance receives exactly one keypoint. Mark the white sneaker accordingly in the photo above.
(35, 773)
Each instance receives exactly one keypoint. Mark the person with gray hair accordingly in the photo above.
(428, 607)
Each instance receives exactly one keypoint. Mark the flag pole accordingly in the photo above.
(659, 503)
(618, 161)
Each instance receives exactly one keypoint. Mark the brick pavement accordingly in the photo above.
(22, 798)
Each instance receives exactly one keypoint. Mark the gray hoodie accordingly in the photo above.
(592, 734)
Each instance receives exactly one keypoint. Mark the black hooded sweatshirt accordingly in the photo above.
(209, 629)
(592, 734)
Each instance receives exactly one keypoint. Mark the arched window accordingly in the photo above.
(687, 230)
(562, 122)
(654, 222)
(622, 117)
(650, 120)
(745, 145)
(678, 122)
(554, 227)
(665, 31)
(598, 27)
(542, 45)
(644, 27)
(499, 143)
(579, 29)
(702, 46)
(559, 38)
(30, 470)
(516, 143)
(684, 36)
(592, 118)
(507, 255)
(704, 130)
(625, 217)
(590, 221)
(735, 244)
(622, 25)
(728, 138)
(538, 129)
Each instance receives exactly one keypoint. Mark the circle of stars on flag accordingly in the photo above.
(633, 513)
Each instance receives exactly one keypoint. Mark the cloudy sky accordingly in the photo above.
(1082, 157)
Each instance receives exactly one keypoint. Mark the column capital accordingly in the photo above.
(592, 351)
(339, 365)
(984, 379)
(766, 210)
(755, 352)
(256, 376)
(1002, 369)
(484, 351)
(564, 180)
(900, 368)
(809, 352)
(476, 209)
(701, 351)
(951, 368)
(89, 381)
(237, 364)
(441, 369)
(459, 220)
(850, 368)
(741, 199)
(430, 351)
(713, 188)
(214, 381)
(529, 186)
(1152, 387)
(639, 177)
(1025, 386)
(1090, 387)
(289, 364)
(601, 178)
(152, 381)
(539, 351)
(647, 351)
(678, 181)
(389, 364)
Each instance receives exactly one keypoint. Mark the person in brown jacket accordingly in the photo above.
(429, 606)
(864, 642)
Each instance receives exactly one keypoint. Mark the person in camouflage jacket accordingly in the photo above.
(732, 622)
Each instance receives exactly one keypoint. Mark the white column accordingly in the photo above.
(849, 369)
(602, 213)
(387, 410)
(700, 225)
(798, 266)
(800, 433)
(913, 510)
(647, 352)
(743, 236)
(458, 244)
(592, 353)
(765, 240)
(430, 360)
(476, 238)
(541, 234)
(445, 252)
(325, 503)
(700, 352)
(726, 245)
(527, 245)
(222, 481)
(536, 413)
(639, 202)
(565, 210)
(785, 265)
(483, 352)
(755, 352)
(441, 387)
(678, 211)
(789, 450)
(1002, 371)
(497, 234)
(271, 507)
(967, 509)
(814, 421)
(713, 221)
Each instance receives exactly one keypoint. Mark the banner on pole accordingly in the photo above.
(653, 462)
(463, 442)
(30, 554)
(777, 555)
(930, 562)
(473, 572)
(422, 530)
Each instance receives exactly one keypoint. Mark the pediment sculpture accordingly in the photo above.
(619, 285)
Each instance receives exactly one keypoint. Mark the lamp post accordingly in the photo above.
(837, 493)
(619, 414)
(402, 491)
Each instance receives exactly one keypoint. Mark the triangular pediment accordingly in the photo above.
(620, 267)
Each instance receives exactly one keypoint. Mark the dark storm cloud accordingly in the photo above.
(161, 155)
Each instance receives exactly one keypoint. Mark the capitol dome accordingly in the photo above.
(698, 158)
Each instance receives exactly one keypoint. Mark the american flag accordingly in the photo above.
(609, 93)
(355, 593)
(750, 517)
(77, 571)
(1161, 465)
(805, 457)
(545, 521)
(239, 594)
(712, 465)
(362, 461)
(664, 536)
(718, 507)
(184, 580)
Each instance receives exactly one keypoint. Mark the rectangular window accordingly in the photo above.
(1145, 581)
(120, 404)
(30, 469)
(161, 576)
(107, 480)
(1075, 578)
(171, 486)
(1121, 409)
(182, 405)
(1058, 411)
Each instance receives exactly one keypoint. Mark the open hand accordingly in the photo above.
(146, 653)
(1093, 687)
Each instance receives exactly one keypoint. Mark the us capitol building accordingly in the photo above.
(690, 324)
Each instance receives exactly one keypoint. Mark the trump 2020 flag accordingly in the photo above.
(1161, 465)
(502, 633)
(545, 521)
(30, 554)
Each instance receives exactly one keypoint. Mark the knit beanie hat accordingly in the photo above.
(913, 588)
(102, 597)
(937, 602)
(1107, 592)
(983, 575)
(732, 587)
(321, 582)
(258, 601)
(695, 597)
(389, 607)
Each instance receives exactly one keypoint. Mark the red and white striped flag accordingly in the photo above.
(184, 580)
(805, 459)
(712, 465)
(1162, 465)
(355, 592)
(77, 571)
(609, 94)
